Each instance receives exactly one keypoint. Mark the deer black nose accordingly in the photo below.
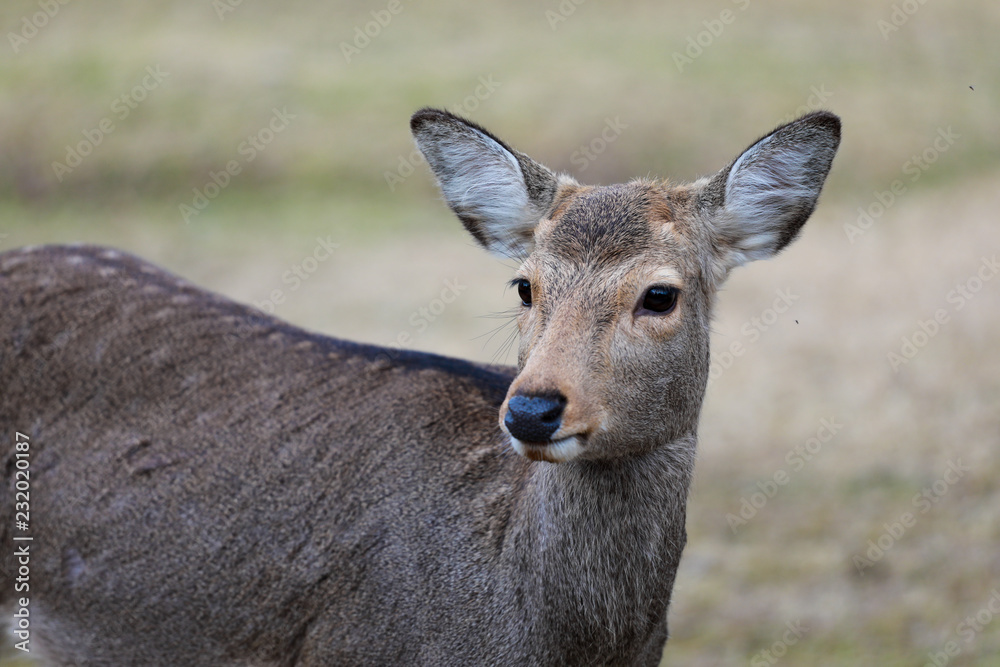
(534, 418)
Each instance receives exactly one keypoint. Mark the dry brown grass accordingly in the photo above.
(827, 359)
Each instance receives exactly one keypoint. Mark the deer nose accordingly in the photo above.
(534, 418)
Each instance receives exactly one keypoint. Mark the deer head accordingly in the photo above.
(617, 282)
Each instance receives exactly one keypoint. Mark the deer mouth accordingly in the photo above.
(553, 451)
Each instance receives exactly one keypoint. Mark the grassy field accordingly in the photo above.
(116, 117)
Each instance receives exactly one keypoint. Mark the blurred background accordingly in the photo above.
(845, 507)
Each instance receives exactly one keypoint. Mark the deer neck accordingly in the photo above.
(602, 541)
(596, 503)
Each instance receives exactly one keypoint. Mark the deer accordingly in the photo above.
(210, 485)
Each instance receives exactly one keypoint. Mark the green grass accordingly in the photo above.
(224, 77)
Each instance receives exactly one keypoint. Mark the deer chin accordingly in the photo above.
(554, 451)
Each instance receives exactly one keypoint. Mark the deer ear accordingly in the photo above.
(497, 193)
(757, 205)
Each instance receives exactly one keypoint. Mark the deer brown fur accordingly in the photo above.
(212, 486)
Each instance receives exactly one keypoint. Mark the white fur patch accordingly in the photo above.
(769, 191)
(486, 180)
(559, 451)
(762, 185)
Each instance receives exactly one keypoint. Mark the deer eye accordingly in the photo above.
(660, 298)
(523, 291)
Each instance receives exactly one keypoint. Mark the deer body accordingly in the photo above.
(211, 486)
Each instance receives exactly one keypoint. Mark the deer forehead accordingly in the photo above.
(612, 236)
